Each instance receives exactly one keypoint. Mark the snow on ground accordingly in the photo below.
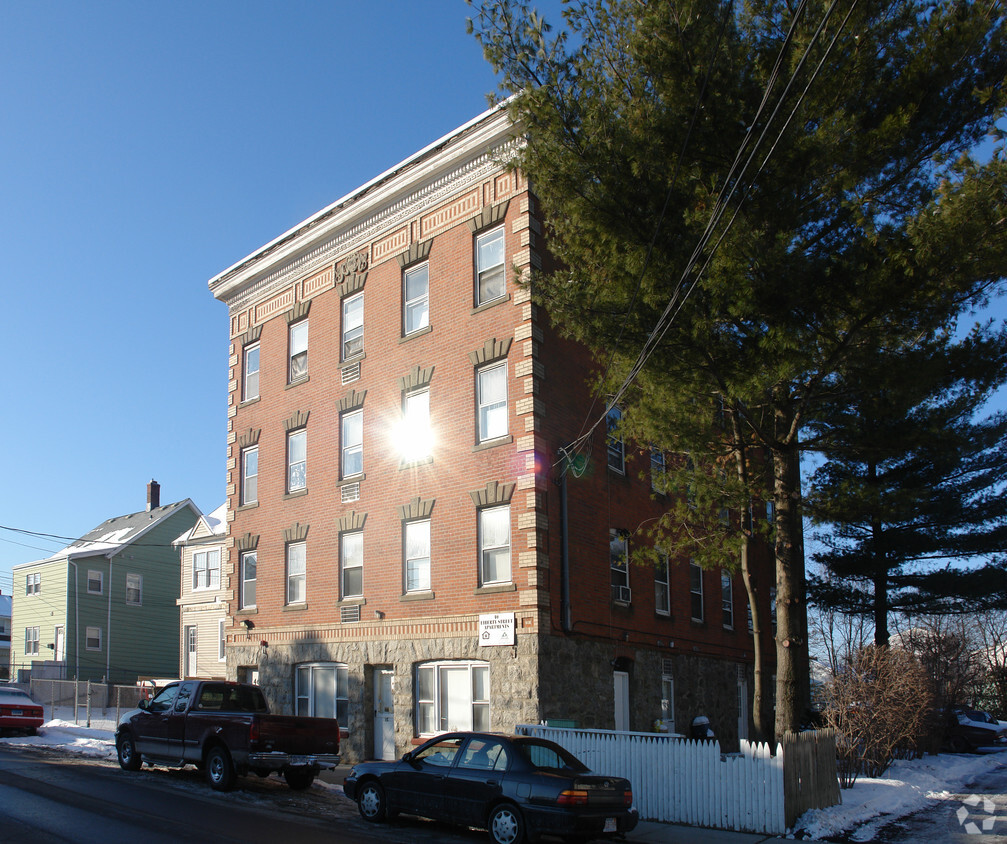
(73, 738)
(906, 787)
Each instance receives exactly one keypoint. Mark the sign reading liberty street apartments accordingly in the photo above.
(496, 629)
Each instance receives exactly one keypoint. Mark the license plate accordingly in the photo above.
(610, 825)
(298, 760)
(16, 712)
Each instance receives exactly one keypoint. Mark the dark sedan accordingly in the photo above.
(18, 712)
(512, 786)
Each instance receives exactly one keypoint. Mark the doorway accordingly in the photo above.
(384, 714)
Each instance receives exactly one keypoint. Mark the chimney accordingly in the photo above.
(153, 495)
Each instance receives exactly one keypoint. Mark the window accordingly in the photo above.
(92, 638)
(616, 448)
(662, 586)
(33, 583)
(298, 351)
(417, 553)
(134, 589)
(250, 382)
(490, 276)
(94, 582)
(452, 696)
(221, 641)
(31, 640)
(696, 591)
(727, 599)
(351, 555)
(494, 545)
(415, 438)
(353, 326)
(248, 579)
(297, 460)
(322, 691)
(250, 475)
(492, 399)
(416, 299)
(206, 569)
(618, 555)
(352, 443)
(658, 481)
(296, 567)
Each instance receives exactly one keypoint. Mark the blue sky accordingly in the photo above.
(143, 149)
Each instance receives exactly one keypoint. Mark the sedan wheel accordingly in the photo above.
(371, 802)
(505, 825)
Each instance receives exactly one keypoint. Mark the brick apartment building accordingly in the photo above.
(401, 552)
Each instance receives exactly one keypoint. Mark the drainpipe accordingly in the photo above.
(76, 618)
(108, 627)
(564, 545)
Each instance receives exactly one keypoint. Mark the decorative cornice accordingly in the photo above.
(492, 494)
(352, 401)
(298, 420)
(248, 542)
(299, 311)
(417, 508)
(489, 216)
(491, 350)
(416, 378)
(297, 533)
(351, 521)
(351, 274)
(415, 253)
(249, 438)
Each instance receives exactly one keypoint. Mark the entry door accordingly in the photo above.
(742, 707)
(190, 650)
(60, 652)
(621, 679)
(384, 715)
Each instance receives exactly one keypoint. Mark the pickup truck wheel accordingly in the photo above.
(129, 759)
(299, 778)
(219, 770)
(371, 802)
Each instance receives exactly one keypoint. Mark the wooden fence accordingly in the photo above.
(678, 780)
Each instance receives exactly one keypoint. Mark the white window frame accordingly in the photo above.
(489, 406)
(658, 470)
(662, 585)
(415, 308)
(221, 640)
(351, 436)
(137, 588)
(250, 377)
(614, 444)
(490, 272)
(33, 583)
(205, 569)
(417, 440)
(250, 479)
(245, 579)
(92, 577)
(31, 641)
(297, 351)
(297, 572)
(351, 559)
(696, 577)
(727, 599)
(494, 555)
(352, 336)
(431, 696)
(89, 634)
(416, 566)
(301, 481)
(618, 558)
(321, 690)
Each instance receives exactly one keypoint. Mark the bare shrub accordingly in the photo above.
(877, 703)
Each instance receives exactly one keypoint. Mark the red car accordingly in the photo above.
(18, 712)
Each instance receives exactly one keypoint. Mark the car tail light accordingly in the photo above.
(253, 732)
(627, 798)
(572, 797)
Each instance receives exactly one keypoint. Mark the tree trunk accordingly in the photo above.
(878, 563)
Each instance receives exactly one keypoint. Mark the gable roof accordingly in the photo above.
(211, 525)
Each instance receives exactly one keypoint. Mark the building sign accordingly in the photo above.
(496, 629)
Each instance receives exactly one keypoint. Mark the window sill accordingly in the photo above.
(697, 622)
(247, 611)
(351, 479)
(478, 309)
(298, 382)
(250, 506)
(351, 602)
(412, 335)
(423, 461)
(352, 361)
(248, 402)
(498, 441)
(494, 588)
(296, 494)
(417, 596)
(623, 605)
(295, 607)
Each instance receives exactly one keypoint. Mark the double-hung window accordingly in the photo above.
(353, 326)
(298, 351)
(134, 589)
(727, 599)
(352, 435)
(323, 691)
(248, 559)
(297, 460)
(618, 552)
(351, 557)
(494, 545)
(615, 445)
(415, 298)
(417, 555)
(33, 583)
(492, 399)
(296, 572)
(490, 275)
(696, 591)
(250, 379)
(662, 586)
(452, 696)
(416, 441)
(92, 638)
(250, 475)
(31, 639)
(94, 582)
(206, 569)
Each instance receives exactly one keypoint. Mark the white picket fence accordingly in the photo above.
(677, 780)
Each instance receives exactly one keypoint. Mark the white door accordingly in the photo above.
(456, 699)
(384, 715)
(60, 652)
(190, 651)
(742, 708)
(621, 700)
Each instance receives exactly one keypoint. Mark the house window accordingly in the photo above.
(490, 277)
(658, 480)
(613, 440)
(668, 701)
(298, 351)
(248, 579)
(494, 545)
(696, 591)
(322, 691)
(352, 443)
(452, 696)
(206, 569)
(727, 599)
(31, 639)
(221, 641)
(416, 299)
(415, 436)
(353, 326)
(296, 570)
(94, 582)
(250, 475)
(662, 586)
(33, 583)
(417, 554)
(492, 399)
(250, 382)
(134, 589)
(351, 554)
(618, 556)
(92, 638)
(297, 460)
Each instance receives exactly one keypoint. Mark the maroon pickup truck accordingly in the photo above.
(226, 730)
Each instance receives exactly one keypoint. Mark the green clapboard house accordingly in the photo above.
(105, 607)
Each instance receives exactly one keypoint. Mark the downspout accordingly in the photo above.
(564, 545)
(108, 628)
(76, 619)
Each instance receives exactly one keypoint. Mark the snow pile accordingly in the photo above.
(70, 737)
(906, 787)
